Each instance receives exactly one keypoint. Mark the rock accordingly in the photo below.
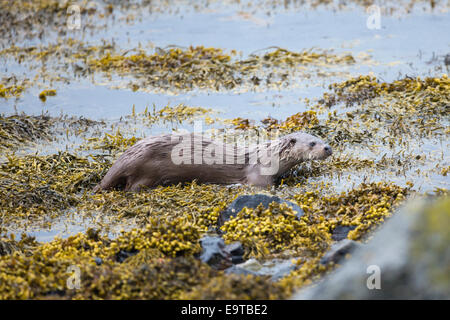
(408, 258)
(341, 232)
(251, 266)
(122, 255)
(218, 255)
(253, 201)
(235, 269)
(276, 268)
(338, 251)
(214, 252)
(236, 251)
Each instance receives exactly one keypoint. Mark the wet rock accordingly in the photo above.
(214, 252)
(253, 201)
(276, 268)
(236, 250)
(341, 232)
(236, 269)
(339, 250)
(122, 255)
(251, 266)
(409, 258)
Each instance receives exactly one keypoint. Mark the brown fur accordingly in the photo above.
(149, 162)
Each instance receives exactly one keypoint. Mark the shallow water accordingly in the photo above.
(403, 46)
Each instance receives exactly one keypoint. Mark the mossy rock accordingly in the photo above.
(410, 254)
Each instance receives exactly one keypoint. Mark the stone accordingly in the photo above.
(214, 252)
(235, 269)
(98, 261)
(338, 251)
(275, 268)
(408, 258)
(253, 201)
(123, 254)
(236, 250)
(341, 232)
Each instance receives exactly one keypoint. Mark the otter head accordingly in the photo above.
(299, 146)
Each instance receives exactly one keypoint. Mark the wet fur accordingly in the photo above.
(149, 163)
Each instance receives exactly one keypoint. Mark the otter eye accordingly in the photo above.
(312, 144)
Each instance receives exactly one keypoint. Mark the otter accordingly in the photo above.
(175, 158)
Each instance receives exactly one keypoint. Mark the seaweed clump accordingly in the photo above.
(270, 232)
(47, 93)
(37, 186)
(152, 262)
(28, 19)
(286, 58)
(174, 68)
(392, 110)
(18, 130)
(365, 207)
(273, 230)
(178, 113)
(211, 68)
(299, 121)
(21, 130)
(240, 287)
(10, 91)
(200, 204)
(419, 95)
(156, 261)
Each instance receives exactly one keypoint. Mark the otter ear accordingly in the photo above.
(287, 145)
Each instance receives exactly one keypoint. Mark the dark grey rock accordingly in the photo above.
(275, 268)
(235, 269)
(122, 255)
(338, 251)
(237, 259)
(253, 201)
(341, 232)
(214, 252)
(236, 250)
(98, 261)
(408, 258)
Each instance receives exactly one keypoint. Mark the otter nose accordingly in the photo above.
(328, 150)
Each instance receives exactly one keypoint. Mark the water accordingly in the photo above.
(402, 46)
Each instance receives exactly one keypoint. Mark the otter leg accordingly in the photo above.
(110, 182)
(259, 180)
(137, 186)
